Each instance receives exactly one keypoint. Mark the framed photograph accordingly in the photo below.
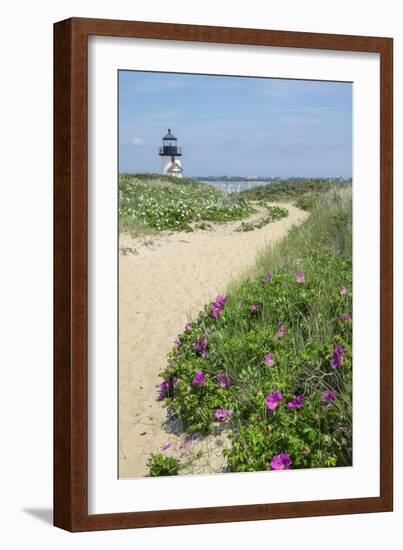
(222, 274)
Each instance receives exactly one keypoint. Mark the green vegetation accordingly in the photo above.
(271, 363)
(307, 201)
(303, 192)
(150, 203)
(160, 465)
(274, 213)
(154, 203)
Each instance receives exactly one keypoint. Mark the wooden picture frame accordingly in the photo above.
(71, 283)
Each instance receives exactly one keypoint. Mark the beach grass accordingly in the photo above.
(270, 363)
(301, 191)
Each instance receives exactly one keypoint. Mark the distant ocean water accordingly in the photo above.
(236, 186)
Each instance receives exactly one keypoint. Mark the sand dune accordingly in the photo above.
(163, 282)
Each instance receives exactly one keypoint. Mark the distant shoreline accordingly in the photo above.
(263, 179)
(248, 179)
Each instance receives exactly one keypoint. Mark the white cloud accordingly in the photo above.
(137, 141)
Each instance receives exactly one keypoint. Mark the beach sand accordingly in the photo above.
(164, 280)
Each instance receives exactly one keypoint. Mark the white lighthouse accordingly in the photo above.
(170, 155)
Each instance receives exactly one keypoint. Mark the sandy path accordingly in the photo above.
(163, 282)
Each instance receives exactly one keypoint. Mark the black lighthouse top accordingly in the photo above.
(169, 147)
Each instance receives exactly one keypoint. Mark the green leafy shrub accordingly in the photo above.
(160, 465)
(160, 203)
(274, 213)
(246, 226)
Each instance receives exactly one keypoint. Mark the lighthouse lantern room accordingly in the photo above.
(170, 155)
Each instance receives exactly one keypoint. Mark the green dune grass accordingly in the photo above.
(302, 191)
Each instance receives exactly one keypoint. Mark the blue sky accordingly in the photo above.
(236, 125)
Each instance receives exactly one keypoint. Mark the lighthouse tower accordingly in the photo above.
(170, 155)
